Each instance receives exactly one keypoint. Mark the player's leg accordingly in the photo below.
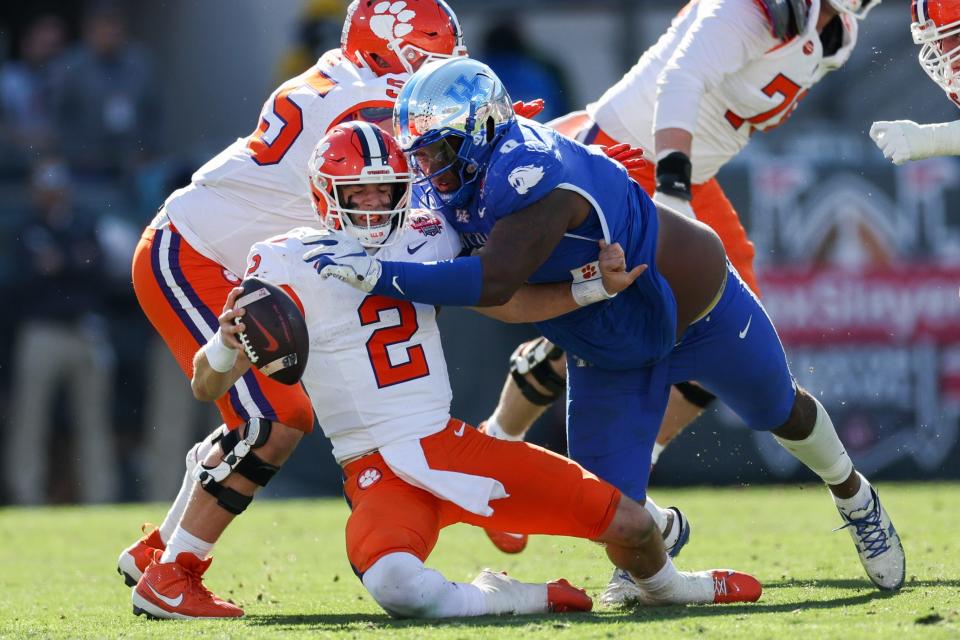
(392, 529)
(181, 292)
(738, 356)
(550, 494)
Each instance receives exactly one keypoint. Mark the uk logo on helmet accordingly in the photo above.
(368, 478)
(391, 20)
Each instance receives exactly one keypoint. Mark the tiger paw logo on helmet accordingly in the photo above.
(391, 20)
(368, 478)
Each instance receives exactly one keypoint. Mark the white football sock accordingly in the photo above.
(494, 430)
(859, 501)
(197, 453)
(655, 454)
(821, 451)
(405, 588)
(669, 586)
(183, 541)
(660, 516)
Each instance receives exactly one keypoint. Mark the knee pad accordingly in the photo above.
(534, 358)
(695, 394)
(403, 586)
(199, 451)
(237, 446)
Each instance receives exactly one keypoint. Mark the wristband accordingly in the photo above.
(589, 291)
(220, 357)
(673, 174)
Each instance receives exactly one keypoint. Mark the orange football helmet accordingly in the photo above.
(936, 28)
(397, 36)
(359, 153)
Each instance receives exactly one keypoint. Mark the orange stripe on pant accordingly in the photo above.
(182, 293)
(709, 203)
(547, 494)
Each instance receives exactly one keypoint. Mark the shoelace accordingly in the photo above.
(720, 585)
(869, 529)
(624, 576)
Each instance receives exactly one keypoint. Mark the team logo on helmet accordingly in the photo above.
(368, 478)
(391, 20)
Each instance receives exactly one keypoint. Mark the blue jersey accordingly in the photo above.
(638, 326)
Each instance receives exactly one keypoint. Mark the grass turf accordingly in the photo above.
(284, 562)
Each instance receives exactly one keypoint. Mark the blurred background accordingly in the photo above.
(106, 107)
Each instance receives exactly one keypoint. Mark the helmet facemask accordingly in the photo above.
(939, 52)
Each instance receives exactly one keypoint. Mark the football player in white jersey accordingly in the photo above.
(190, 254)
(724, 70)
(936, 28)
(378, 382)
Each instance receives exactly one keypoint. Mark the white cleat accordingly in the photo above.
(506, 595)
(877, 542)
(621, 591)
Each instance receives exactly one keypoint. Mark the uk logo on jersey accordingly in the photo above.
(524, 178)
(368, 478)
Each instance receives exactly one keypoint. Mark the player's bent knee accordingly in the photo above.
(404, 587)
(532, 370)
(236, 455)
(632, 526)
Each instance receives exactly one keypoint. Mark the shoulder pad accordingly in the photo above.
(787, 18)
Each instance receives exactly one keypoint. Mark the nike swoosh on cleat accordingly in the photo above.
(272, 344)
(413, 250)
(397, 286)
(743, 334)
(172, 602)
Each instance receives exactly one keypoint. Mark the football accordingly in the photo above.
(276, 338)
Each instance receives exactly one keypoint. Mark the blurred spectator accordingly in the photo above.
(318, 30)
(60, 342)
(106, 99)
(26, 89)
(525, 72)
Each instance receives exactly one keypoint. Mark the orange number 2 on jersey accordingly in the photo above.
(290, 118)
(385, 371)
(781, 85)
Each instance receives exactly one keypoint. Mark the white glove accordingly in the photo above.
(674, 203)
(904, 140)
(339, 255)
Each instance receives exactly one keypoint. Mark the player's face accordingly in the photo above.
(949, 44)
(439, 162)
(368, 197)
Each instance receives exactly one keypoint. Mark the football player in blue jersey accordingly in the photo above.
(534, 205)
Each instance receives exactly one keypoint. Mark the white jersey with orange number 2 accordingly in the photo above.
(257, 187)
(376, 374)
(719, 73)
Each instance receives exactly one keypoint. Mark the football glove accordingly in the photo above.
(339, 255)
(630, 157)
(528, 109)
(904, 140)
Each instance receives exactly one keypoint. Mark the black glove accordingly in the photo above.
(673, 175)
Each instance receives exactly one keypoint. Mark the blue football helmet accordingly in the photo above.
(447, 119)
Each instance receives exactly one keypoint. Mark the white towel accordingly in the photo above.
(472, 493)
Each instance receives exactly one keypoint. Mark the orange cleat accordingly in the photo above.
(174, 590)
(733, 586)
(508, 542)
(563, 597)
(135, 559)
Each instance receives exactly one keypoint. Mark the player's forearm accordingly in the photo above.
(673, 139)
(534, 303)
(209, 384)
(455, 283)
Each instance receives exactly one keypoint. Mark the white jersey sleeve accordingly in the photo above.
(376, 373)
(724, 35)
(258, 186)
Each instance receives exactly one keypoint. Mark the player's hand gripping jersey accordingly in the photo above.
(257, 187)
(719, 73)
(376, 373)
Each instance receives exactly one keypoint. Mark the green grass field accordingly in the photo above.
(284, 563)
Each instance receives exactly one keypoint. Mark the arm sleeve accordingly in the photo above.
(724, 37)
